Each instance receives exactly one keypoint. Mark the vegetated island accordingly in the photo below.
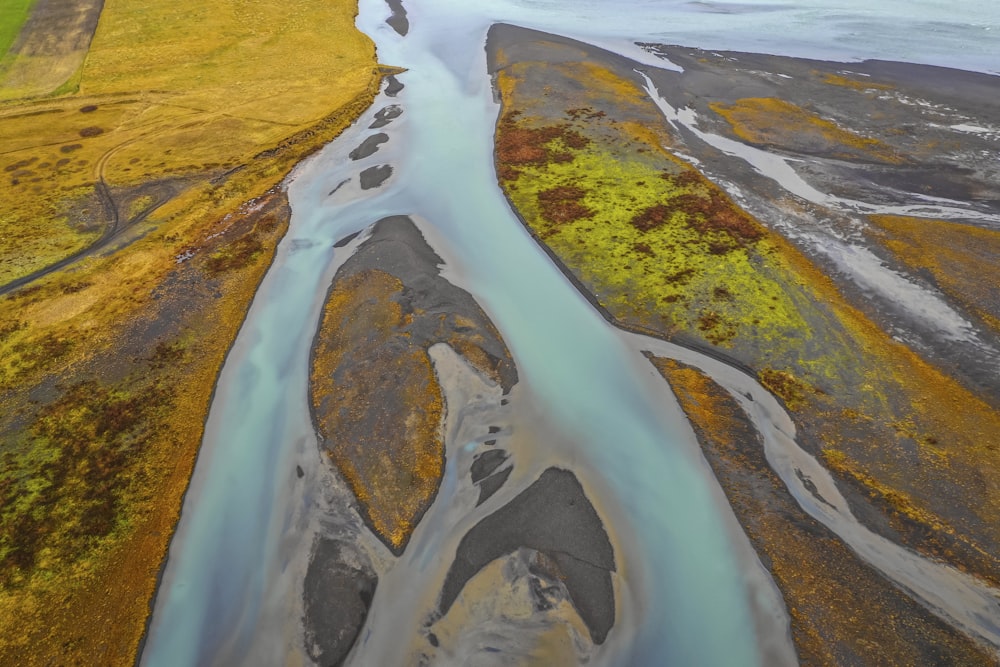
(897, 406)
(143, 148)
(379, 406)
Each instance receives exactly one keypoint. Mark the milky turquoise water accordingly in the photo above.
(237, 528)
(956, 33)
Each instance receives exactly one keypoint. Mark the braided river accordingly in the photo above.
(690, 589)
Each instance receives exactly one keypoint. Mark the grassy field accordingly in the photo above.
(162, 157)
(213, 89)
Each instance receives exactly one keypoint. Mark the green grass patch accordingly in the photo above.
(13, 14)
(71, 486)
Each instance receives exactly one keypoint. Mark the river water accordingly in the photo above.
(693, 592)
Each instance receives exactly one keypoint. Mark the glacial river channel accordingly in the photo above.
(693, 592)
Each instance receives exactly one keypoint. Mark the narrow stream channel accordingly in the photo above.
(696, 593)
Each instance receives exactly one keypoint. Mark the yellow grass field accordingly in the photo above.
(166, 142)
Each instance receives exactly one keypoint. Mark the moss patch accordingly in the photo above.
(661, 245)
(13, 14)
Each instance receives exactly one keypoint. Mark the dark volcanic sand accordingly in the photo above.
(937, 160)
(339, 587)
(373, 177)
(369, 146)
(486, 463)
(385, 116)
(485, 474)
(397, 247)
(398, 20)
(843, 612)
(393, 86)
(433, 310)
(340, 583)
(554, 517)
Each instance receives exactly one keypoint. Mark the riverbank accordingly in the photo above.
(110, 362)
(842, 610)
(606, 185)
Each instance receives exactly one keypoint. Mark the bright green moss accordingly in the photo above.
(674, 255)
(679, 275)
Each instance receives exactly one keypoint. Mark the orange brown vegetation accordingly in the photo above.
(842, 612)
(469, 346)
(561, 204)
(909, 517)
(785, 386)
(963, 259)
(770, 121)
(783, 316)
(378, 404)
(92, 476)
(655, 216)
(864, 83)
(521, 146)
(712, 212)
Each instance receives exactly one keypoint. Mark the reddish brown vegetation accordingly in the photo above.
(709, 320)
(714, 328)
(707, 214)
(243, 250)
(574, 139)
(532, 146)
(722, 293)
(562, 204)
(584, 112)
(687, 178)
(652, 217)
(643, 248)
(679, 277)
(93, 434)
(785, 386)
(720, 247)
